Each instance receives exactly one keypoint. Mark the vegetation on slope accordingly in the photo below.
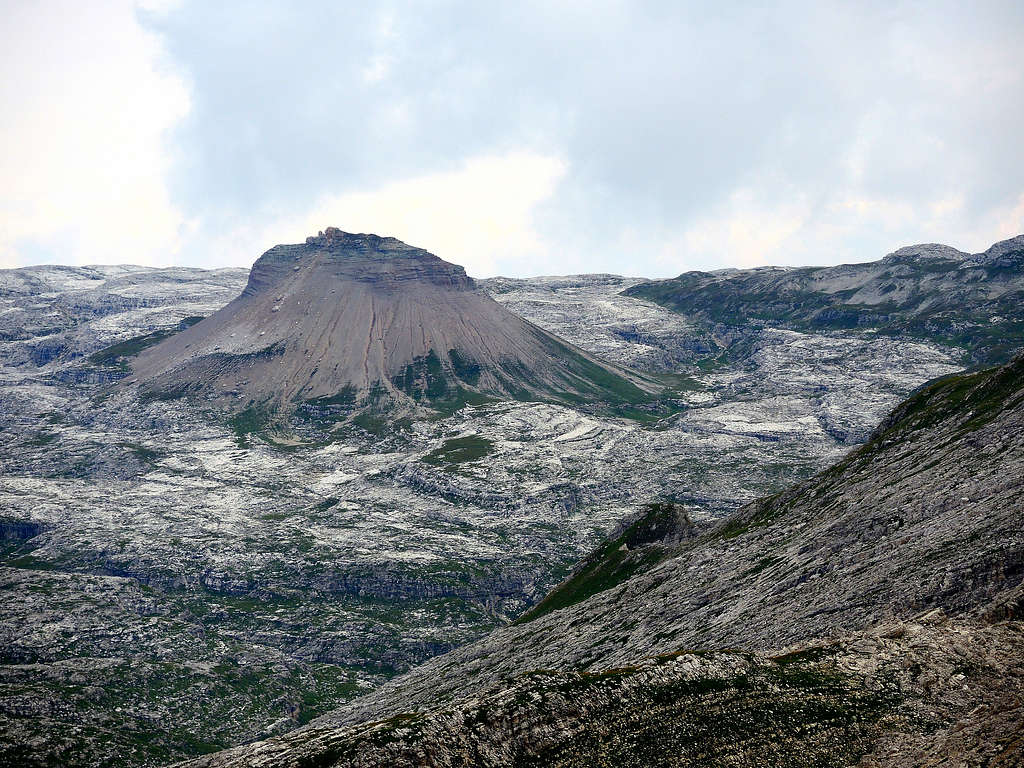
(643, 544)
(460, 450)
(960, 402)
(119, 354)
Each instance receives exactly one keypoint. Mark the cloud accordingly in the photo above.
(479, 215)
(745, 233)
(87, 103)
(689, 135)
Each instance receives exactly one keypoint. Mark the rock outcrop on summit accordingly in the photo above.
(361, 321)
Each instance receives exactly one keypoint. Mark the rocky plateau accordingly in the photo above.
(868, 616)
(182, 575)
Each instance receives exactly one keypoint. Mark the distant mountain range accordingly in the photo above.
(931, 292)
(234, 504)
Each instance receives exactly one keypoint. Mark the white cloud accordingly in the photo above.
(663, 136)
(376, 69)
(744, 232)
(86, 106)
(480, 216)
(1009, 220)
(750, 231)
(751, 235)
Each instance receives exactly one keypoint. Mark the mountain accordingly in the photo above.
(868, 616)
(931, 292)
(169, 591)
(345, 322)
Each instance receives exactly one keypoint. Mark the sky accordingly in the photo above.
(520, 139)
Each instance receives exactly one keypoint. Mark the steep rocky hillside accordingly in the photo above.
(925, 692)
(921, 291)
(348, 322)
(871, 611)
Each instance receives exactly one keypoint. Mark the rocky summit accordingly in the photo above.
(348, 322)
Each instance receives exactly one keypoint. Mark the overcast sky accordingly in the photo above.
(523, 138)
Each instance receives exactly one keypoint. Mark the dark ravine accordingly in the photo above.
(933, 292)
(868, 616)
(344, 323)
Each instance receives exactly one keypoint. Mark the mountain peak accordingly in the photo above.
(332, 255)
(371, 322)
(1003, 248)
(926, 251)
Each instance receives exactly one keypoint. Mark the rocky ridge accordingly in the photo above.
(929, 292)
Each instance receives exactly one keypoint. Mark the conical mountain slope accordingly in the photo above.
(362, 320)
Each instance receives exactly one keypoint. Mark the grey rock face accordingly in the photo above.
(926, 515)
(925, 252)
(1003, 253)
(380, 261)
(54, 314)
(591, 310)
(921, 523)
(903, 695)
(921, 291)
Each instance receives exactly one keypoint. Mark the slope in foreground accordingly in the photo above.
(870, 616)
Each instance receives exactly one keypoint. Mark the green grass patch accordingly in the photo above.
(638, 548)
(250, 421)
(117, 354)
(458, 398)
(142, 453)
(423, 379)
(345, 397)
(147, 396)
(381, 424)
(460, 450)
(465, 369)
